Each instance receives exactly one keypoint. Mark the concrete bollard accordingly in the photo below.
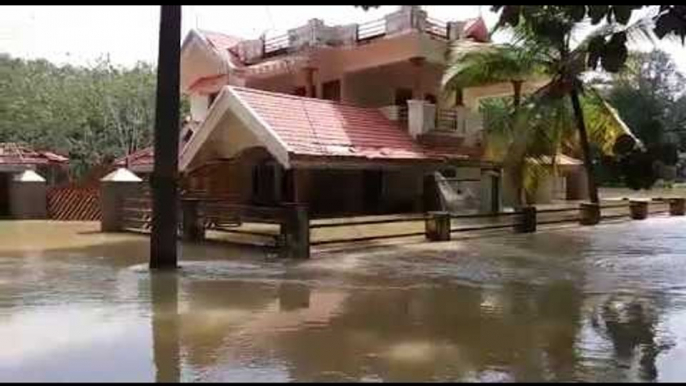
(526, 221)
(114, 188)
(638, 209)
(677, 206)
(193, 228)
(437, 226)
(589, 213)
(295, 232)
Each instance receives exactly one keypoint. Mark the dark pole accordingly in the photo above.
(164, 194)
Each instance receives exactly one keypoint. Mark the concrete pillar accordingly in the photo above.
(677, 206)
(192, 222)
(114, 188)
(421, 117)
(437, 226)
(28, 196)
(589, 213)
(295, 232)
(490, 191)
(527, 220)
(418, 78)
(638, 209)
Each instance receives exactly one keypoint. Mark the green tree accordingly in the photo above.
(92, 114)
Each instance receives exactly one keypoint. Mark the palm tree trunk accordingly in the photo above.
(163, 253)
(517, 173)
(585, 148)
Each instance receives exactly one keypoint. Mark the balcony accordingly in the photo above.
(424, 119)
(316, 33)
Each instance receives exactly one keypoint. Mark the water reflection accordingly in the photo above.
(164, 288)
(507, 309)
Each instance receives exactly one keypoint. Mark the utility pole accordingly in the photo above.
(163, 248)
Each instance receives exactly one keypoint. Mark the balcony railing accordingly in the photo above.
(437, 28)
(370, 30)
(276, 45)
(449, 120)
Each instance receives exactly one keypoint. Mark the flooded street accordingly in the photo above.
(604, 303)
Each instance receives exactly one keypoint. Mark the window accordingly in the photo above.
(402, 95)
(332, 90)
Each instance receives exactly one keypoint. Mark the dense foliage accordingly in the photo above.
(91, 114)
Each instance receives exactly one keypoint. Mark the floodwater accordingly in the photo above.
(604, 303)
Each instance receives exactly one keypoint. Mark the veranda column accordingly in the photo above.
(418, 87)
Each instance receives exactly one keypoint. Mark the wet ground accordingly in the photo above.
(604, 303)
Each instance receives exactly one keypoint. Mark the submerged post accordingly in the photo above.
(193, 227)
(163, 251)
(527, 220)
(437, 226)
(296, 232)
(589, 213)
(677, 206)
(638, 209)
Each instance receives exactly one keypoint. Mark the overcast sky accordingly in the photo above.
(79, 34)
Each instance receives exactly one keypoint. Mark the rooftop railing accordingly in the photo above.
(370, 30)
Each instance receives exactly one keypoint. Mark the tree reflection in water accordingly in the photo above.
(630, 324)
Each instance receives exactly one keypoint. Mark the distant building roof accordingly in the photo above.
(13, 154)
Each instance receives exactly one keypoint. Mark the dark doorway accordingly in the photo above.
(5, 194)
(402, 95)
(264, 186)
(430, 194)
(372, 182)
(332, 90)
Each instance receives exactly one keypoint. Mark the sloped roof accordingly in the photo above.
(15, 154)
(316, 127)
(137, 159)
(219, 40)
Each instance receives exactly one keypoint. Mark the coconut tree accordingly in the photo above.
(532, 54)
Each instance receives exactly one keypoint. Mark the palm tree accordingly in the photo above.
(531, 56)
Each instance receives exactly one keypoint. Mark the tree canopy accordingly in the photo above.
(91, 114)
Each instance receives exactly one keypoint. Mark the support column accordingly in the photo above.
(295, 232)
(163, 243)
(310, 90)
(437, 226)
(418, 87)
(193, 227)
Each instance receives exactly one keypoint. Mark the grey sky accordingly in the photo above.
(79, 34)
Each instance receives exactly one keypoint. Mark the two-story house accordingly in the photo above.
(348, 119)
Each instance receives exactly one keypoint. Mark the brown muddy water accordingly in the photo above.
(604, 303)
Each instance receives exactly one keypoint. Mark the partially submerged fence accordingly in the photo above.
(292, 230)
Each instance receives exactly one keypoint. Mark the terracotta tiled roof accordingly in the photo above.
(219, 40)
(15, 154)
(143, 157)
(316, 127)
